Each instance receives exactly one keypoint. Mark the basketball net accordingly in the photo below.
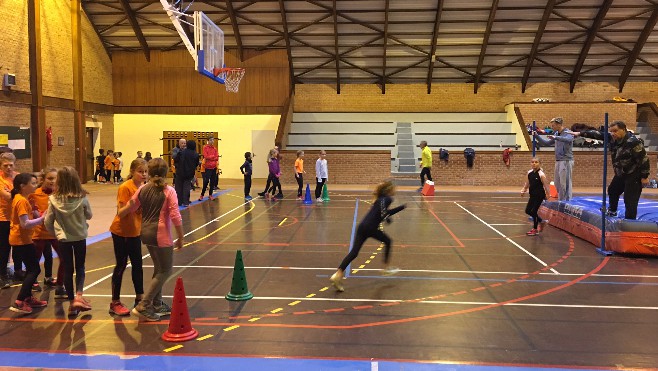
(232, 77)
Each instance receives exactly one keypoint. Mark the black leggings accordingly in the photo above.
(426, 171)
(209, 176)
(631, 187)
(5, 250)
(319, 186)
(124, 248)
(71, 250)
(300, 183)
(100, 173)
(45, 248)
(275, 184)
(532, 207)
(268, 183)
(247, 185)
(362, 234)
(32, 270)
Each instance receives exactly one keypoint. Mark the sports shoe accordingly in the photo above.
(36, 287)
(201, 198)
(4, 283)
(419, 189)
(211, 197)
(336, 282)
(73, 311)
(21, 307)
(532, 232)
(79, 304)
(248, 198)
(279, 196)
(36, 303)
(390, 271)
(117, 307)
(146, 314)
(612, 213)
(262, 194)
(49, 281)
(541, 226)
(60, 293)
(162, 310)
(319, 199)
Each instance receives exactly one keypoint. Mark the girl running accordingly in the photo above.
(45, 241)
(539, 191)
(370, 227)
(23, 220)
(127, 243)
(159, 205)
(67, 215)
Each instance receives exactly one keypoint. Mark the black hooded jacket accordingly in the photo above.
(187, 161)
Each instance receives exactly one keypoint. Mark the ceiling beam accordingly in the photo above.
(386, 8)
(648, 28)
(335, 15)
(591, 35)
(535, 45)
(485, 41)
(236, 30)
(100, 37)
(435, 36)
(284, 18)
(130, 14)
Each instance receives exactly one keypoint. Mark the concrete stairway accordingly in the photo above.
(643, 131)
(407, 171)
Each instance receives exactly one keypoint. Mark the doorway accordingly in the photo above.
(89, 148)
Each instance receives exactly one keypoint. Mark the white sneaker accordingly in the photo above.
(319, 199)
(335, 281)
(390, 271)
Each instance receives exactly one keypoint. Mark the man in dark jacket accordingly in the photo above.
(631, 165)
(186, 164)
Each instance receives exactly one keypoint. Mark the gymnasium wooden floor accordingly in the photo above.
(474, 293)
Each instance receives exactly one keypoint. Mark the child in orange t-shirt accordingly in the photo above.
(116, 163)
(23, 220)
(45, 241)
(126, 233)
(109, 166)
(7, 175)
(299, 173)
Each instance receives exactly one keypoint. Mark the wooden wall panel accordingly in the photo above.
(170, 80)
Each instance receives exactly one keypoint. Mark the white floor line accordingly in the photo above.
(510, 224)
(365, 300)
(507, 238)
(186, 234)
(331, 269)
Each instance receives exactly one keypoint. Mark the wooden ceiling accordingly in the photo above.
(414, 41)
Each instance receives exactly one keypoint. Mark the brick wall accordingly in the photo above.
(56, 49)
(15, 44)
(456, 97)
(62, 124)
(96, 67)
(371, 167)
(584, 113)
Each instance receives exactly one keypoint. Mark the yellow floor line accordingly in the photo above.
(310, 295)
(231, 328)
(324, 289)
(277, 310)
(295, 302)
(283, 221)
(204, 337)
(173, 348)
(254, 319)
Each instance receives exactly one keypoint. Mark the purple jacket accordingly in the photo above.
(274, 166)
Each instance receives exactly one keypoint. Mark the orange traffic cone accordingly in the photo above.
(180, 327)
(553, 190)
(428, 188)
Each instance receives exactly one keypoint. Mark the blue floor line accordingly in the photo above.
(171, 362)
(101, 236)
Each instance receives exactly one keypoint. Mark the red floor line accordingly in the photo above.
(454, 237)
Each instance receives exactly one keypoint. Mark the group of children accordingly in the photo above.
(273, 182)
(108, 167)
(50, 212)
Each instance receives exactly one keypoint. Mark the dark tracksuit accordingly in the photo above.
(537, 196)
(246, 169)
(369, 227)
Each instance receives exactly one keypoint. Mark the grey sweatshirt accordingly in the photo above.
(67, 219)
(563, 144)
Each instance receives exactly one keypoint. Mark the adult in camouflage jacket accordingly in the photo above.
(631, 166)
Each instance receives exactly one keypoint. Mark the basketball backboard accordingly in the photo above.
(207, 44)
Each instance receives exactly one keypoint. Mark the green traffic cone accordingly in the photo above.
(239, 290)
(325, 193)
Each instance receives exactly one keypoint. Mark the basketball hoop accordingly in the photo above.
(232, 77)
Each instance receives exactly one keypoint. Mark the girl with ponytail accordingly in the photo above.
(159, 208)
